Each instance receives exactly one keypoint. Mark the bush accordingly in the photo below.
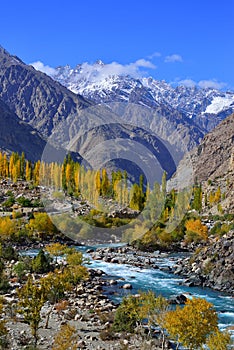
(9, 202)
(24, 202)
(41, 263)
(4, 284)
(20, 269)
(126, 316)
(9, 253)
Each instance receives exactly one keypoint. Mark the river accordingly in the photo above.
(161, 282)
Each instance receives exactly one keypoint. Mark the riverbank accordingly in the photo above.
(87, 309)
(114, 272)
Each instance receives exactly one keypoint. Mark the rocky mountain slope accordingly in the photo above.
(127, 90)
(16, 135)
(212, 160)
(214, 156)
(33, 96)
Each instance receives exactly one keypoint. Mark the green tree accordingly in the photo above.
(3, 329)
(127, 315)
(136, 198)
(41, 263)
(197, 200)
(31, 299)
(154, 309)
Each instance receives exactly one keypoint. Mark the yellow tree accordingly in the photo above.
(36, 173)
(98, 181)
(77, 176)
(15, 175)
(66, 338)
(217, 196)
(42, 225)
(219, 340)
(1, 164)
(56, 249)
(195, 230)
(11, 164)
(105, 183)
(28, 171)
(192, 324)
(7, 228)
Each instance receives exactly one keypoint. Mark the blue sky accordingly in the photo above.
(171, 40)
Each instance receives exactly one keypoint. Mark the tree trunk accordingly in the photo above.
(163, 340)
(48, 317)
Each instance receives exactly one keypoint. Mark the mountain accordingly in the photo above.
(172, 124)
(68, 120)
(18, 136)
(52, 109)
(206, 107)
(131, 112)
(35, 97)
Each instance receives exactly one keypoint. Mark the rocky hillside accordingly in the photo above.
(216, 152)
(33, 96)
(212, 265)
(18, 135)
(212, 163)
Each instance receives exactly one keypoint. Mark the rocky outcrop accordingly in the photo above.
(212, 160)
(130, 256)
(214, 156)
(211, 266)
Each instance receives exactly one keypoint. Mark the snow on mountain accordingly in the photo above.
(219, 104)
(98, 83)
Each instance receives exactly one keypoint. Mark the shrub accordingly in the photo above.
(41, 263)
(126, 316)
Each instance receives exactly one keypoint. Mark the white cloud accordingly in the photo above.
(213, 84)
(204, 84)
(187, 82)
(100, 72)
(155, 54)
(144, 63)
(173, 58)
(97, 72)
(43, 68)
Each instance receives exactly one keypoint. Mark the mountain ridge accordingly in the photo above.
(207, 107)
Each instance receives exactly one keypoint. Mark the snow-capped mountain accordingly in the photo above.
(206, 107)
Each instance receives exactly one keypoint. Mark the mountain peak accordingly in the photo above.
(99, 63)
